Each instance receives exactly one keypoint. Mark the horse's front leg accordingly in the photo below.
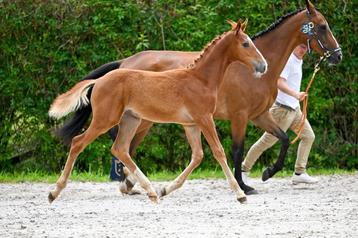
(238, 131)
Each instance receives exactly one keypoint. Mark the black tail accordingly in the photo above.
(75, 125)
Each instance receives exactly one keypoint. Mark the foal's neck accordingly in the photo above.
(211, 65)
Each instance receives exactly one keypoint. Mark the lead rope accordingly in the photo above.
(299, 128)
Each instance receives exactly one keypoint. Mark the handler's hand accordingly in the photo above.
(301, 95)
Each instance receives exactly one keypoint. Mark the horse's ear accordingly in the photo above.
(310, 8)
(232, 24)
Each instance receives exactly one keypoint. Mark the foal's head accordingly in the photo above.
(244, 50)
(318, 35)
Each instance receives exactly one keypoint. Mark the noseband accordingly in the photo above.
(309, 29)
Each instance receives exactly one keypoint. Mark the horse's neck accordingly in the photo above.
(283, 40)
(212, 66)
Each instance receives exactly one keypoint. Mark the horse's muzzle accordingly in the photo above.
(335, 58)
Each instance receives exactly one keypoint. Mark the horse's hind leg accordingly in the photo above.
(193, 135)
(266, 122)
(120, 149)
(77, 146)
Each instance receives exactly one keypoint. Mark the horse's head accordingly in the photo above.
(319, 36)
(245, 51)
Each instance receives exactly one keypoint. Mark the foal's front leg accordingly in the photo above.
(193, 135)
(207, 126)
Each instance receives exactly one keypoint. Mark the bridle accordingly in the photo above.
(309, 29)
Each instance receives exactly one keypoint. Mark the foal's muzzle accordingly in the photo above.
(260, 68)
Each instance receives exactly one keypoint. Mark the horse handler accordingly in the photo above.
(287, 114)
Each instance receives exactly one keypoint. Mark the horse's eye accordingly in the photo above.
(322, 27)
(245, 44)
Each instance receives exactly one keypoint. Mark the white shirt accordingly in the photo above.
(292, 73)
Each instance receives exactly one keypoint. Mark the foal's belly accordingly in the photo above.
(158, 115)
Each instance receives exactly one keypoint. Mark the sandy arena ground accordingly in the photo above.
(201, 208)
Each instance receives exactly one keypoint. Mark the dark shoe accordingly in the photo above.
(116, 173)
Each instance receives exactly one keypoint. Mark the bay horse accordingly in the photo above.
(184, 96)
(242, 98)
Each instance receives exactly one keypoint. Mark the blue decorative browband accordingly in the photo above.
(307, 28)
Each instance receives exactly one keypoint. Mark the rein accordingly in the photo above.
(298, 130)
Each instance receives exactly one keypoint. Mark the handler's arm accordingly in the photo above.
(282, 85)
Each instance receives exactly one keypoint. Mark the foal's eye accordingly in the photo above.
(245, 44)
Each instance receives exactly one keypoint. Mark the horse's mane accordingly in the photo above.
(259, 34)
(206, 48)
(277, 23)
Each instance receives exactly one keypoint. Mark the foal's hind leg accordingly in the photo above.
(127, 185)
(193, 134)
(78, 144)
(120, 149)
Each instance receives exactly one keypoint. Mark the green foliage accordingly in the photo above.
(47, 46)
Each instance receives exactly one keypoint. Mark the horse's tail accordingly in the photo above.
(74, 125)
(103, 69)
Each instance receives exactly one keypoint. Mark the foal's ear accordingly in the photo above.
(238, 26)
(232, 24)
(244, 25)
(310, 8)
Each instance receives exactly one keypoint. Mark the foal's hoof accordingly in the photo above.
(50, 197)
(268, 173)
(154, 198)
(242, 200)
(162, 192)
(129, 190)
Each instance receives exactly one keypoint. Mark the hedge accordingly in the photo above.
(48, 46)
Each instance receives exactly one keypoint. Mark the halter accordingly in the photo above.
(309, 29)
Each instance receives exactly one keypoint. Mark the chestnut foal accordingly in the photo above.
(184, 96)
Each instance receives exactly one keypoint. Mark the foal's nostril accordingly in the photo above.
(260, 67)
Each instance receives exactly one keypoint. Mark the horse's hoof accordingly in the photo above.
(50, 197)
(251, 192)
(247, 189)
(242, 200)
(267, 174)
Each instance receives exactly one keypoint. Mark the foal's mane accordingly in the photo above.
(277, 23)
(206, 49)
